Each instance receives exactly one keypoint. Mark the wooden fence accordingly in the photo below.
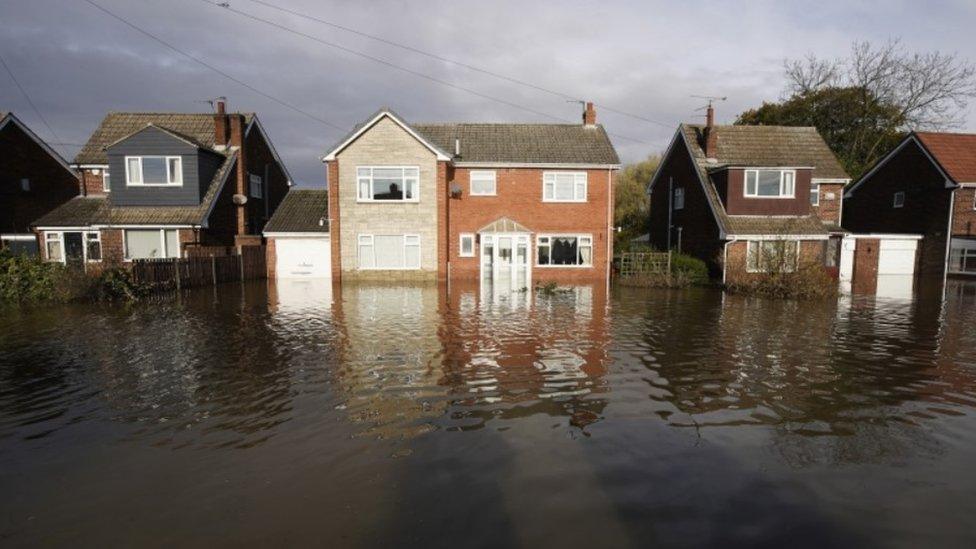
(189, 272)
(635, 264)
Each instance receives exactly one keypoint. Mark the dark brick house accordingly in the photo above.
(34, 180)
(725, 194)
(925, 186)
(156, 184)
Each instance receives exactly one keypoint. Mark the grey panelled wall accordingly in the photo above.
(199, 167)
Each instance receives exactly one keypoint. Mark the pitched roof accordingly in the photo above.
(83, 211)
(746, 224)
(524, 143)
(301, 211)
(195, 127)
(956, 152)
(504, 225)
(7, 117)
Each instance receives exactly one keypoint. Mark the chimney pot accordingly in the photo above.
(589, 114)
(711, 140)
(221, 123)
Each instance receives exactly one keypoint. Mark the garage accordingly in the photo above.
(303, 257)
(879, 264)
(299, 242)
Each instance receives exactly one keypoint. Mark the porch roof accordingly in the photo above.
(504, 225)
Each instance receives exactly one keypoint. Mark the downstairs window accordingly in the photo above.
(564, 250)
(772, 256)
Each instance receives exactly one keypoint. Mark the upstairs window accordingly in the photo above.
(815, 194)
(153, 171)
(679, 198)
(256, 186)
(770, 183)
(483, 183)
(899, 200)
(106, 181)
(564, 187)
(388, 183)
(25, 185)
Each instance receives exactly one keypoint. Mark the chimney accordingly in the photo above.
(221, 129)
(709, 133)
(589, 115)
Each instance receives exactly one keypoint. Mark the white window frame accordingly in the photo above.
(759, 268)
(370, 238)
(679, 198)
(814, 193)
(370, 199)
(59, 238)
(162, 243)
(483, 173)
(107, 181)
(129, 182)
(962, 251)
(895, 203)
(782, 183)
(578, 177)
(462, 237)
(251, 179)
(25, 184)
(579, 245)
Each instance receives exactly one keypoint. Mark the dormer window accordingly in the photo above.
(153, 171)
(770, 184)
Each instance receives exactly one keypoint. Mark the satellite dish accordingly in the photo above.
(240, 199)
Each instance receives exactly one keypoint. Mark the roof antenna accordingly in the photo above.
(711, 99)
(212, 102)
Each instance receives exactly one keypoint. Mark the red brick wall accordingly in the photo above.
(736, 203)
(699, 235)
(926, 209)
(829, 208)
(92, 184)
(271, 258)
(443, 215)
(865, 276)
(50, 183)
(519, 197)
(964, 212)
(332, 174)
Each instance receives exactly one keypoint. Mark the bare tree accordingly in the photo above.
(928, 90)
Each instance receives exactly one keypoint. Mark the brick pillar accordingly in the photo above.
(237, 140)
(442, 221)
(335, 230)
(865, 276)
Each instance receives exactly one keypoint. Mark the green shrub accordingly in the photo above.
(685, 271)
(692, 269)
(809, 281)
(25, 279)
(116, 284)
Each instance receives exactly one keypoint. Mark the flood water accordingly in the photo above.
(392, 416)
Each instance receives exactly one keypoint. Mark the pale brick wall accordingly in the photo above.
(387, 144)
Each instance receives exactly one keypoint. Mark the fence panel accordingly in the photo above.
(195, 270)
(644, 263)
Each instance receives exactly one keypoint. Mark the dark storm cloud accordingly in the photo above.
(645, 58)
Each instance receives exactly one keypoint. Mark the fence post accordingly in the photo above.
(669, 262)
(240, 263)
(176, 265)
(213, 269)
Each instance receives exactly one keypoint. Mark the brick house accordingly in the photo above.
(731, 195)
(925, 186)
(34, 180)
(511, 202)
(156, 184)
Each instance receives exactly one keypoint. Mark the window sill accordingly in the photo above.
(564, 201)
(564, 266)
(770, 197)
(361, 201)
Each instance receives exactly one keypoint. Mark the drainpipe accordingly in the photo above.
(948, 247)
(610, 234)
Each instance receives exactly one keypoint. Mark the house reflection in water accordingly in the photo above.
(412, 358)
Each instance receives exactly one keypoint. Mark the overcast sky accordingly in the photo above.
(644, 58)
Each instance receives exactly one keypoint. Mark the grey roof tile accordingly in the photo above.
(524, 143)
(301, 212)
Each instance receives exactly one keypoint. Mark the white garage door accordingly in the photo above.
(303, 257)
(896, 267)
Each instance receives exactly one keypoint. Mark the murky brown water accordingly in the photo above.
(410, 416)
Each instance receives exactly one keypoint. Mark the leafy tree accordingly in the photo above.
(861, 104)
(631, 209)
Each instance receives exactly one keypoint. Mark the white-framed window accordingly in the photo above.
(388, 183)
(54, 246)
(256, 185)
(962, 256)
(763, 256)
(106, 181)
(466, 246)
(679, 198)
(814, 194)
(770, 183)
(151, 243)
(564, 250)
(564, 187)
(483, 183)
(153, 171)
(394, 252)
(25, 185)
(898, 200)
(93, 246)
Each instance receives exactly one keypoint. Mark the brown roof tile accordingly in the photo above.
(524, 143)
(956, 152)
(301, 212)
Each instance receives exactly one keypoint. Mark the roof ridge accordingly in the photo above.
(959, 134)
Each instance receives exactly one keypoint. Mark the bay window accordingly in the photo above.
(772, 256)
(388, 183)
(389, 252)
(770, 183)
(483, 183)
(151, 244)
(156, 171)
(564, 187)
(564, 250)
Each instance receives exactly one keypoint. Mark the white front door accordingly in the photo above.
(505, 259)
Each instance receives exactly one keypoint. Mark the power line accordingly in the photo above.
(28, 97)
(215, 69)
(392, 65)
(441, 58)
